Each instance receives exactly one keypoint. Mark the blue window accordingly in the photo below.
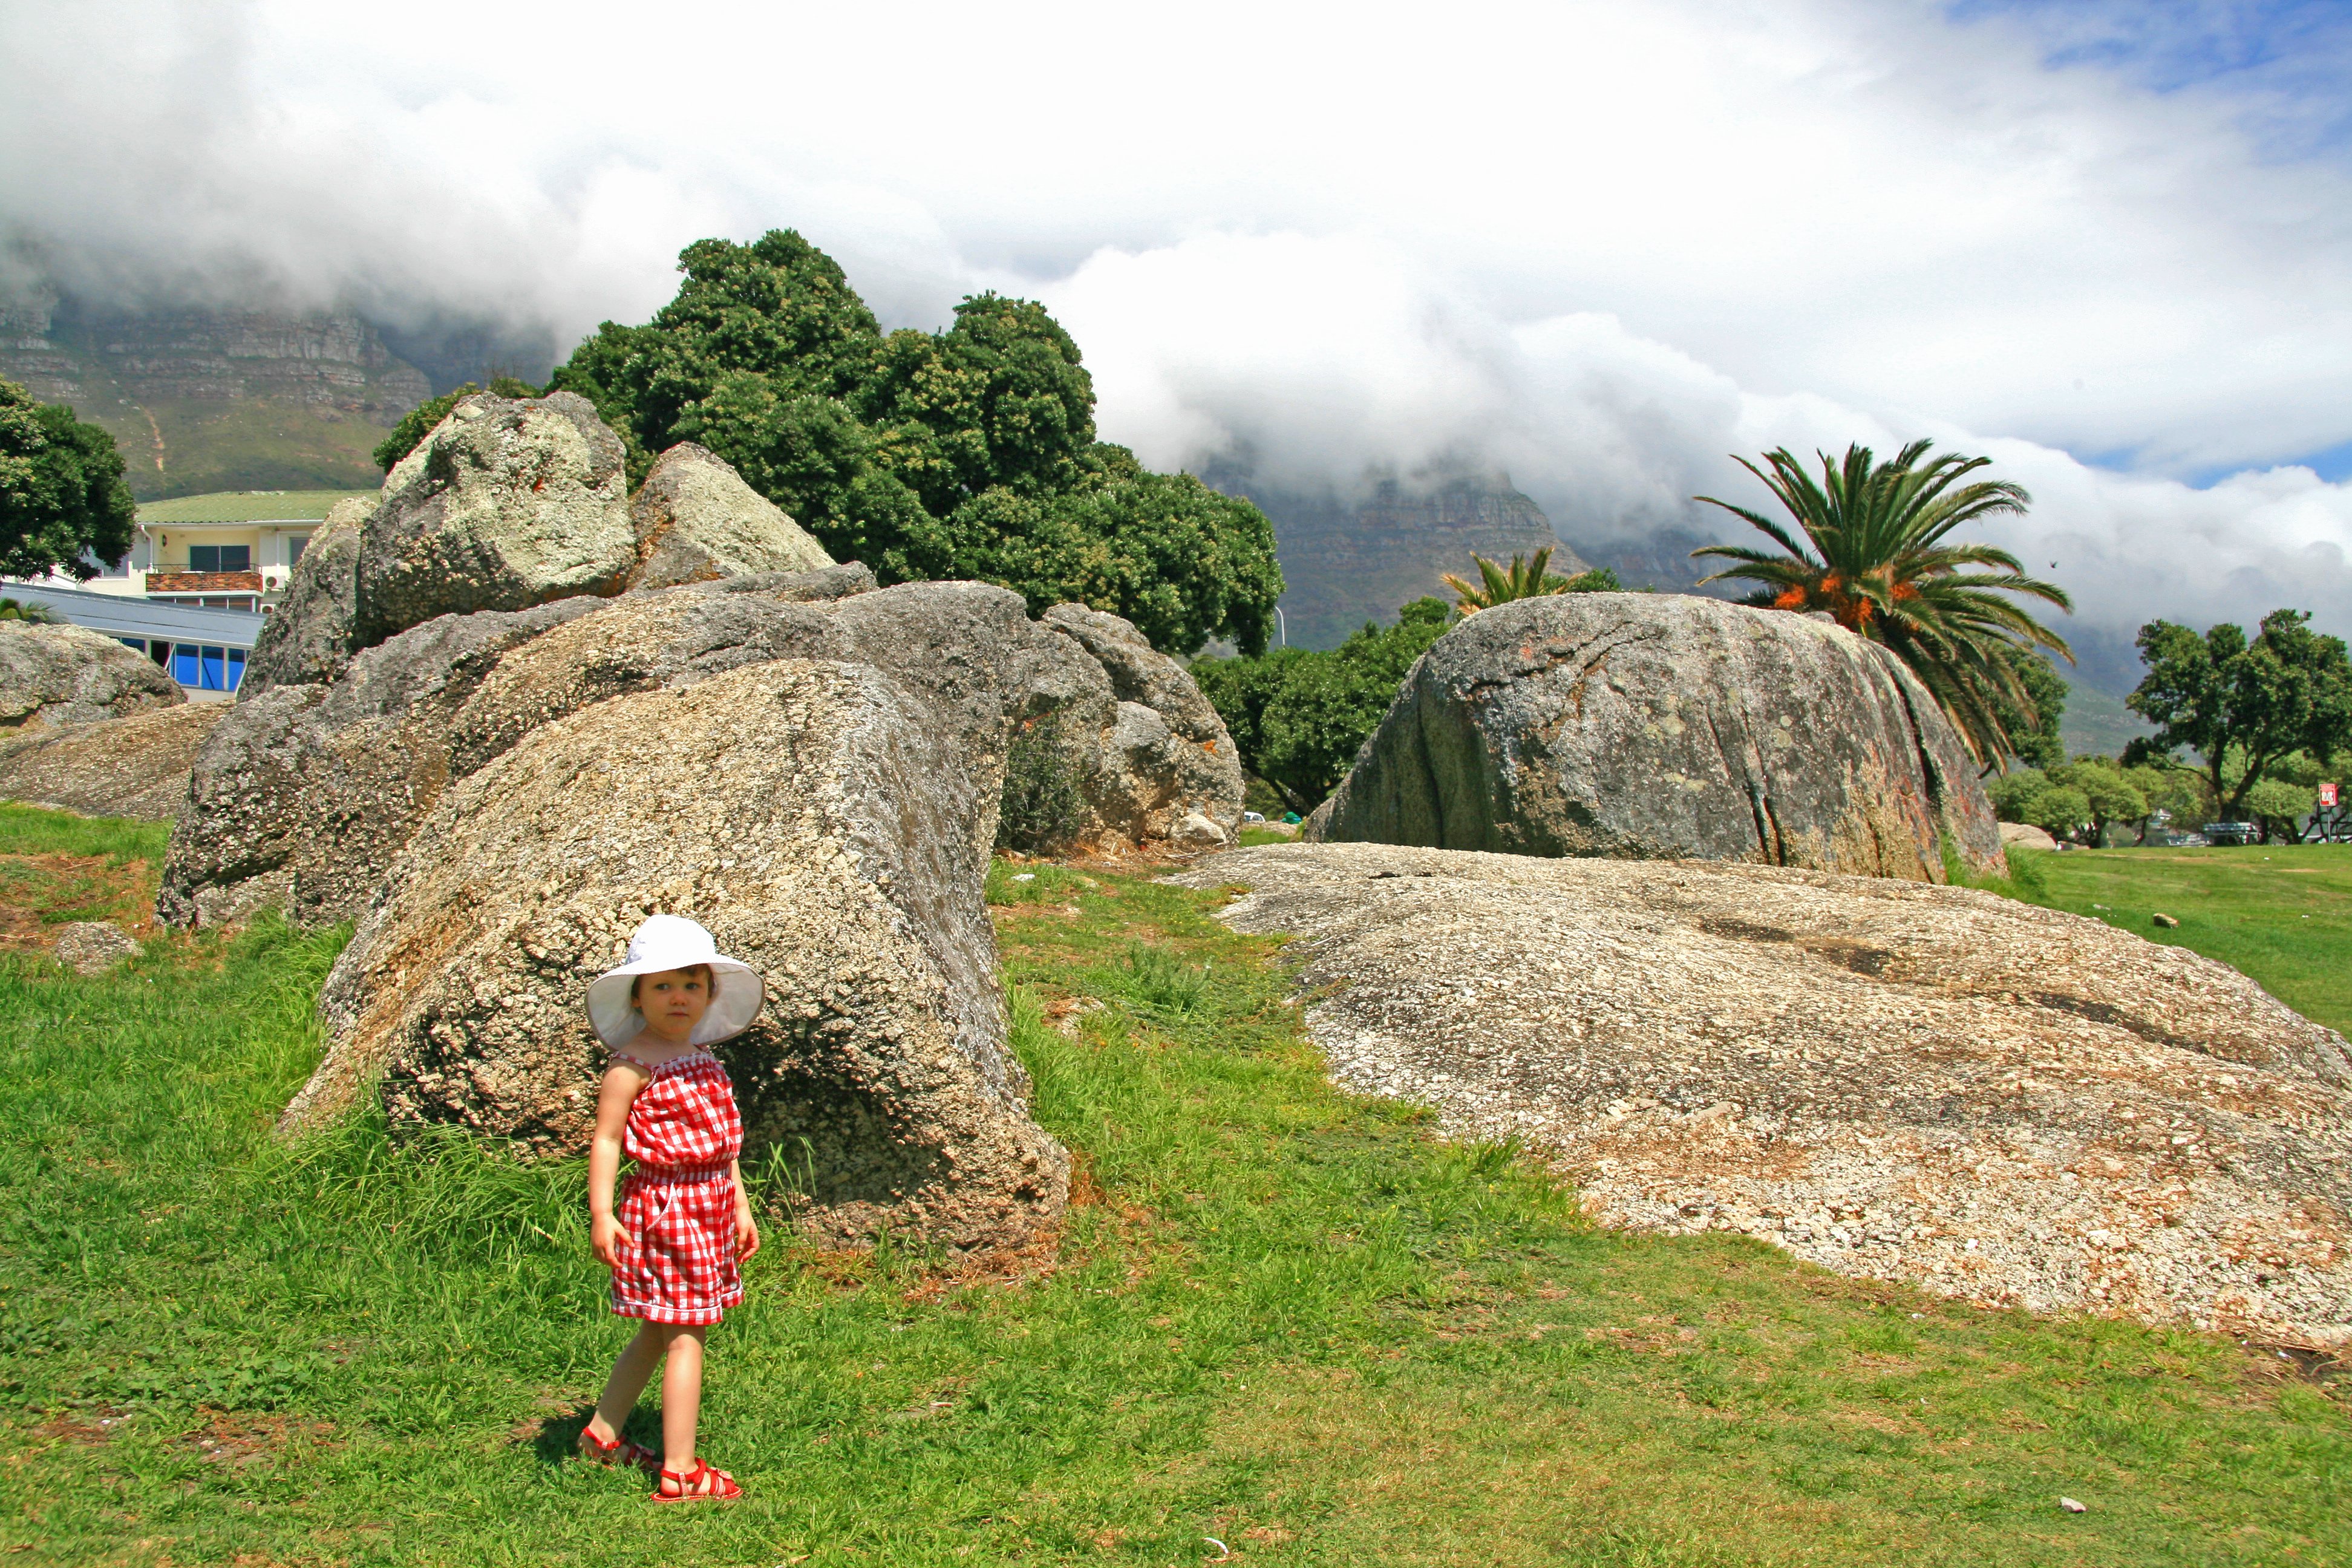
(207, 669)
(139, 643)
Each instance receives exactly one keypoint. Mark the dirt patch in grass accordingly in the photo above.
(240, 1440)
(40, 892)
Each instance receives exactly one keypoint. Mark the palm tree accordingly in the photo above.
(1523, 579)
(1879, 564)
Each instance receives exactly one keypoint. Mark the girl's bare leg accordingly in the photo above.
(631, 1373)
(681, 1395)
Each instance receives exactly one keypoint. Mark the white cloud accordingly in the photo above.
(1602, 244)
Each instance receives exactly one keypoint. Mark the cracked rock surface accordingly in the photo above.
(1657, 726)
(1910, 1082)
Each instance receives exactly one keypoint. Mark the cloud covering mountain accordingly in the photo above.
(1599, 245)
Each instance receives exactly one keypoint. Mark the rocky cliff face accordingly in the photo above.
(202, 400)
(1348, 561)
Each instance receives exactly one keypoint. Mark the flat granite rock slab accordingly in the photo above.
(1896, 1079)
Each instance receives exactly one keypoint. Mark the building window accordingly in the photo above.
(138, 643)
(294, 548)
(207, 669)
(220, 557)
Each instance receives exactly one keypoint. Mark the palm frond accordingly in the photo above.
(1876, 553)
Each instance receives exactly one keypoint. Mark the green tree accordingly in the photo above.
(418, 422)
(2110, 792)
(1524, 578)
(2012, 792)
(62, 499)
(2033, 726)
(1299, 718)
(27, 610)
(1874, 556)
(2177, 793)
(2279, 807)
(2243, 705)
(2060, 810)
(966, 453)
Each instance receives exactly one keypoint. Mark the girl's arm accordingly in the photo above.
(621, 1081)
(747, 1229)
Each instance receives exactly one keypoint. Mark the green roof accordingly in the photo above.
(246, 506)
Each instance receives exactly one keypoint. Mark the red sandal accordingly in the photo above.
(619, 1451)
(701, 1481)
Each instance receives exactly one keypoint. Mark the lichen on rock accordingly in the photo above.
(509, 502)
(697, 520)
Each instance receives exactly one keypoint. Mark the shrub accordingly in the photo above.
(1042, 806)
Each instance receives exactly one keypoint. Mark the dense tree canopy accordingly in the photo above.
(2243, 706)
(63, 504)
(965, 453)
(1875, 554)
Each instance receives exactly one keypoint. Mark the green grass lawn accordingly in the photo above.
(1281, 1316)
(2282, 913)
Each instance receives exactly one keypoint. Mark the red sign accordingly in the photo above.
(2327, 796)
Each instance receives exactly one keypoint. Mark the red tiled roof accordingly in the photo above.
(203, 582)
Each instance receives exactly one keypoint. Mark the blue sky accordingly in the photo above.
(2289, 61)
(2283, 66)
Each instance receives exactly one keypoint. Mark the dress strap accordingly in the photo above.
(650, 1071)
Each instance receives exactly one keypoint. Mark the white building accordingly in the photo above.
(231, 550)
(202, 572)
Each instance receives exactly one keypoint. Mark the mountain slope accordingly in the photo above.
(217, 400)
(1348, 561)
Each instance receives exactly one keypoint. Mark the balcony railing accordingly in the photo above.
(203, 582)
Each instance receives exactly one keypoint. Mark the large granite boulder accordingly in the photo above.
(71, 675)
(1926, 1084)
(305, 793)
(1661, 726)
(509, 502)
(1168, 756)
(135, 766)
(307, 639)
(817, 816)
(696, 519)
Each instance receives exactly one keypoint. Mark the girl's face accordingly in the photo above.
(673, 1002)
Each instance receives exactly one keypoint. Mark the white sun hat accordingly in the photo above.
(673, 941)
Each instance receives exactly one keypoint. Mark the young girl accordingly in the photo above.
(685, 1225)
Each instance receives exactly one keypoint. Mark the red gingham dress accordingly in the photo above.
(677, 1207)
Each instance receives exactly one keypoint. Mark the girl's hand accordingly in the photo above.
(747, 1230)
(604, 1235)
